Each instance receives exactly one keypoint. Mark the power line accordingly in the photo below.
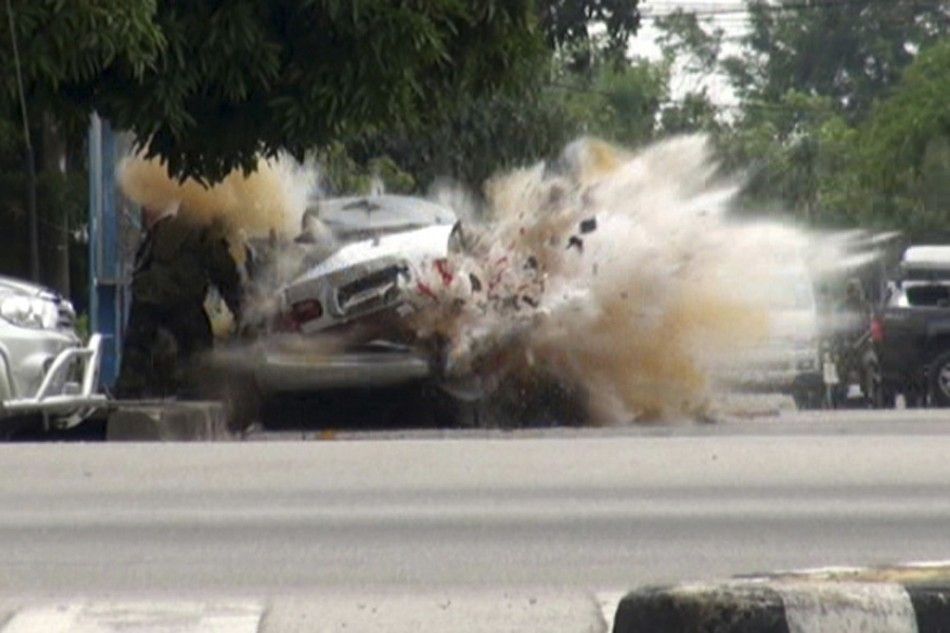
(749, 105)
(743, 11)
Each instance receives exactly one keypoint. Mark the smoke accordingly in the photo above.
(622, 275)
(619, 273)
(272, 198)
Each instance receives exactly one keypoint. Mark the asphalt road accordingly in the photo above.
(592, 511)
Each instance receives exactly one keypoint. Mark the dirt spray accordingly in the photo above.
(622, 274)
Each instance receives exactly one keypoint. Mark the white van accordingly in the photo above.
(788, 358)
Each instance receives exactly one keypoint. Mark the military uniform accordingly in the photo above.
(168, 327)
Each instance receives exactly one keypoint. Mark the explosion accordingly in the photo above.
(621, 275)
(614, 272)
(272, 198)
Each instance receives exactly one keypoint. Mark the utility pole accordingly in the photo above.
(30, 160)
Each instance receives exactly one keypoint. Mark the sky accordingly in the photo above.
(727, 14)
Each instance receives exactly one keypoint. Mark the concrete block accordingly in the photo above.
(912, 598)
(167, 422)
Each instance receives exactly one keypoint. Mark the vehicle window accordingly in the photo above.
(931, 295)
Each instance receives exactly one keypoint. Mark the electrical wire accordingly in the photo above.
(744, 11)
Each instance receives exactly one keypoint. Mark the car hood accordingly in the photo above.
(412, 246)
(11, 285)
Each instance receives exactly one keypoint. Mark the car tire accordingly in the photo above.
(243, 403)
(807, 399)
(939, 378)
(883, 396)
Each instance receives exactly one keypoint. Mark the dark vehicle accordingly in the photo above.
(911, 330)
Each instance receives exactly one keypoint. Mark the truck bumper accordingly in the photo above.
(58, 396)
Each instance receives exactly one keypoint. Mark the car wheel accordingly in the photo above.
(882, 396)
(940, 380)
(243, 403)
(807, 399)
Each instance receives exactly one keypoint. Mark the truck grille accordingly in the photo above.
(367, 294)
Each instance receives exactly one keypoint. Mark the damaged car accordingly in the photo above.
(337, 323)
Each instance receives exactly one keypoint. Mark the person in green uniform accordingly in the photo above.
(168, 328)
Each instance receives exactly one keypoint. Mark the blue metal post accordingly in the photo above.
(106, 303)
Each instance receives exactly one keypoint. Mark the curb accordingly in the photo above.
(912, 598)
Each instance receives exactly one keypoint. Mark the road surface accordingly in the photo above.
(603, 509)
(512, 514)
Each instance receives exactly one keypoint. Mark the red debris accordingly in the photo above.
(424, 289)
(442, 266)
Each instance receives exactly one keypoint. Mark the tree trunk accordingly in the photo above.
(56, 219)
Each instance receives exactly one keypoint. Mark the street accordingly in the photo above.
(597, 510)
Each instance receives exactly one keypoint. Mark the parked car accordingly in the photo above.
(45, 369)
(911, 330)
(788, 359)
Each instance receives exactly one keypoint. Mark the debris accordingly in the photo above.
(475, 282)
(442, 266)
(575, 242)
(588, 226)
(426, 290)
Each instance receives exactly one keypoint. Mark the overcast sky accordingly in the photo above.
(727, 14)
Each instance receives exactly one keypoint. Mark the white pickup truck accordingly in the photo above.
(361, 282)
(45, 369)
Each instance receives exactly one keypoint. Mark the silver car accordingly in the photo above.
(44, 366)
(378, 241)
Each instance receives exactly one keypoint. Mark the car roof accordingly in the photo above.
(380, 212)
(926, 257)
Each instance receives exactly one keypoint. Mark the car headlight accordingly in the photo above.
(31, 312)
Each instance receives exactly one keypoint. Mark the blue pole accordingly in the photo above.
(106, 303)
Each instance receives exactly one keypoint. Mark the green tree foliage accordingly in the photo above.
(487, 135)
(240, 78)
(482, 137)
(806, 132)
(618, 104)
(584, 85)
(568, 25)
(65, 49)
(211, 84)
(691, 50)
(851, 51)
(899, 172)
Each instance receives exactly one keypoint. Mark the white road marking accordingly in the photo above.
(823, 571)
(138, 617)
(927, 564)
(843, 607)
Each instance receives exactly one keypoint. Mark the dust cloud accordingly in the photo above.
(271, 199)
(619, 273)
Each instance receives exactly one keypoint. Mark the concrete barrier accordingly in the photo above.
(912, 598)
(168, 421)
